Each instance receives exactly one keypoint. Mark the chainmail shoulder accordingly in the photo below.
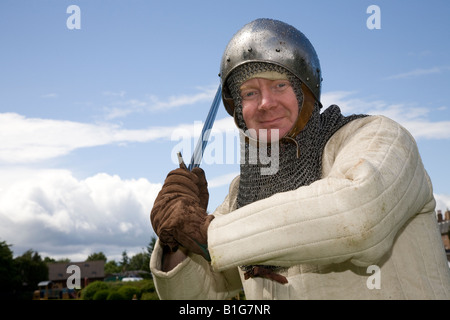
(292, 172)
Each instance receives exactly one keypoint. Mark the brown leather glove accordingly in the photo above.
(179, 215)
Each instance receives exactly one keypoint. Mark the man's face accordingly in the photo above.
(269, 104)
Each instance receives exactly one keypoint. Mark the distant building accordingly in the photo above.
(56, 286)
(444, 228)
(90, 271)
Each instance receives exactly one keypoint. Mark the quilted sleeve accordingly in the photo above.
(373, 182)
(192, 279)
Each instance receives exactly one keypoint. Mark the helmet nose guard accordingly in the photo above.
(271, 41)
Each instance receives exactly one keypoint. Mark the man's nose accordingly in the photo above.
(267, 101)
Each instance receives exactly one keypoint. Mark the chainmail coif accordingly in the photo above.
(293, 172)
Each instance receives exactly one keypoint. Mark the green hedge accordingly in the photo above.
(140, 290)
(89, 291)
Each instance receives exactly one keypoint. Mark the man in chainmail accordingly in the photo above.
(300, 162)
(349, 194)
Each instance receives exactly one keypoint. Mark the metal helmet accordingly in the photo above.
(272, 41)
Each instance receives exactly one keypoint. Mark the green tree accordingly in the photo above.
(8, 273)
(141, 261)
(49, 260)
(31, 269)
(150, 248)
(96, 256)
(151, 245)
(138, 262)
(124, 263)
(112, 267)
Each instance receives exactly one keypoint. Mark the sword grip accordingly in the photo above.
(181, 161)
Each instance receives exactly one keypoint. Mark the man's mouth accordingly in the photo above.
(271, 122)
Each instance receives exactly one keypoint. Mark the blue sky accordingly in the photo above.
(91, 118)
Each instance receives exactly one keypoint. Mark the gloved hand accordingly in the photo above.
(179, 215)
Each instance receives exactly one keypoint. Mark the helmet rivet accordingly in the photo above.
(307, 78)
(317, 85)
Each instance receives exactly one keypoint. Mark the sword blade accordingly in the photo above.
(203, 139)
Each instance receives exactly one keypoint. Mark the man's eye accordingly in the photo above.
(248, 94)
(281, 85)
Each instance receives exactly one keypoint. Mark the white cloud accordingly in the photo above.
(27, 140)
(123, 108)
(49, 95)
(51, 211)
(419, 72)
(442, 202)
(119, 94)
(176, 101)
(413, 118)
(224, 125)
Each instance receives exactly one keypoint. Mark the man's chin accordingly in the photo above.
(265, 135)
